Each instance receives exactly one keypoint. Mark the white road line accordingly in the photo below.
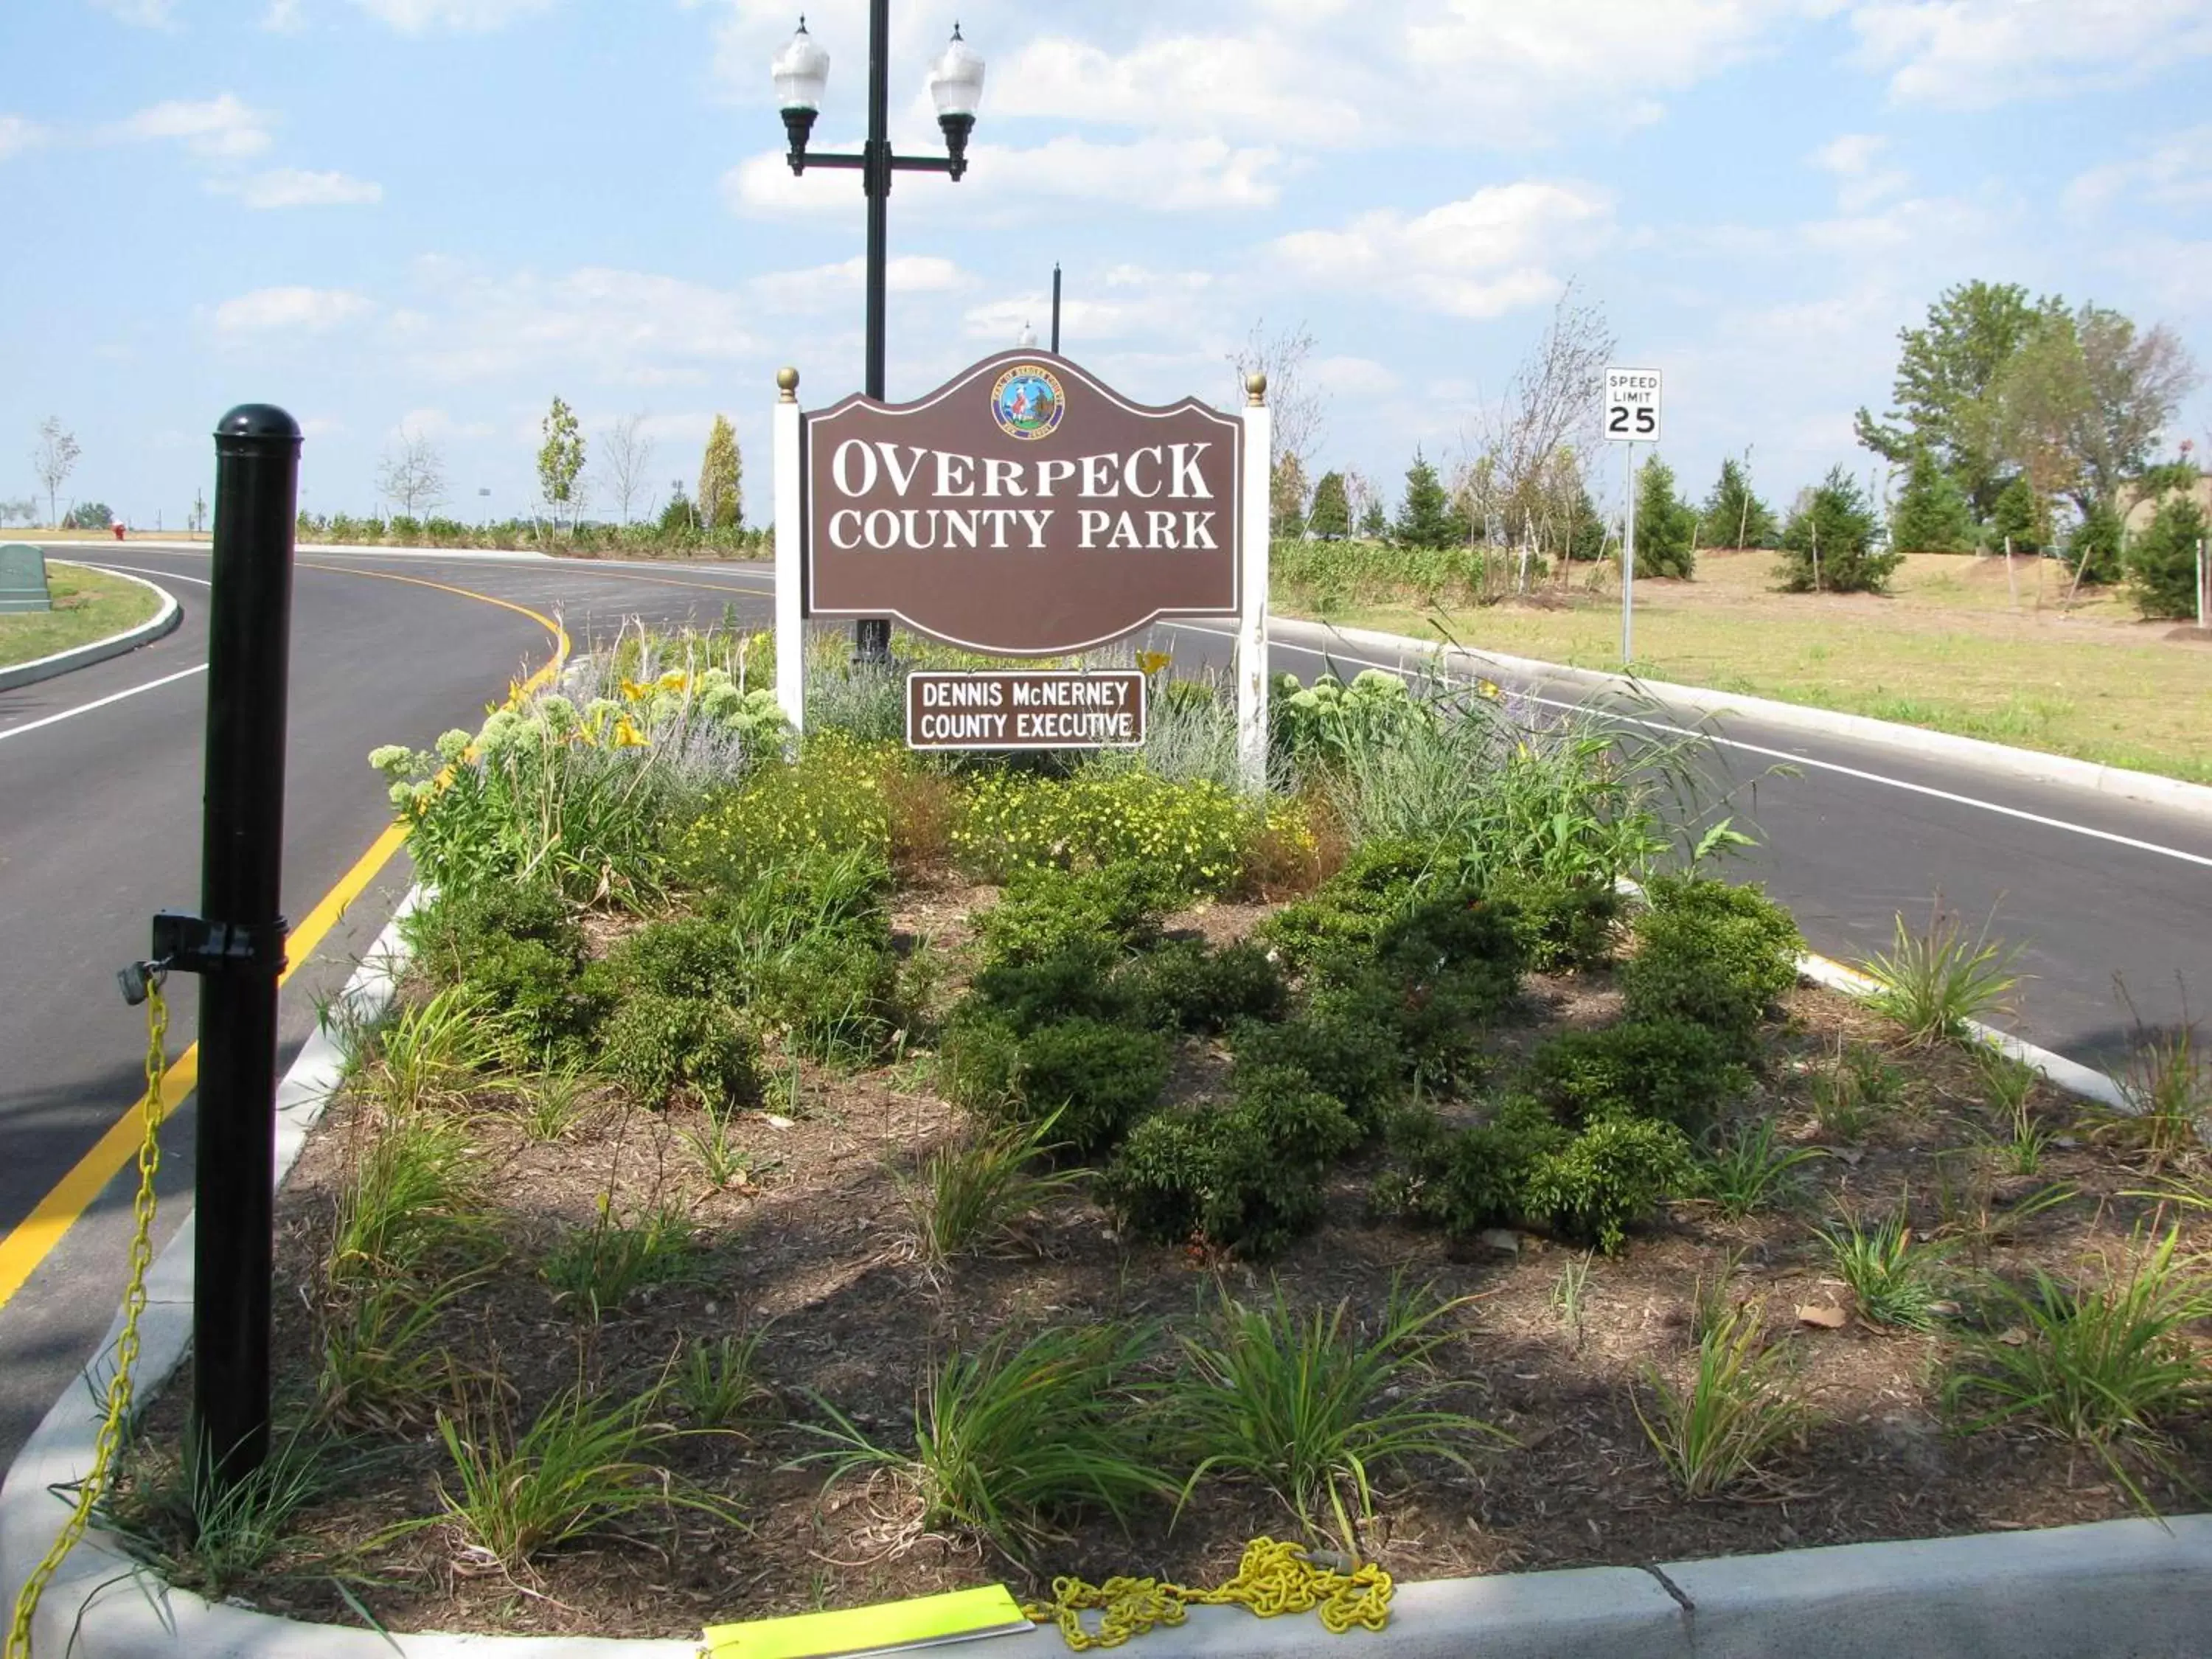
(102, 702)
(1775, 754)
(166, 575)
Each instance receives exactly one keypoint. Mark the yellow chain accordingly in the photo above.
(1272, 1578)
(126, 1347)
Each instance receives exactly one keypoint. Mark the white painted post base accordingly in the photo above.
(1252, 577)
(790, 548)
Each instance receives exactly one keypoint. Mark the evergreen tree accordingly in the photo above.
(1666, 527)
(1286, 498)
(2092, 547)
(2162, 562)
(1374, 523)
(1932, 514)
(1733, 515)
(721, 479)
(1426, 517)
(1837, 522)
(676, 517)
(1587, 539)
(1331, 513)
(2021, 520)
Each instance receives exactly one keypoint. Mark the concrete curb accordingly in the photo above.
(2026, 764)
(165, 622)
(2132, 1589)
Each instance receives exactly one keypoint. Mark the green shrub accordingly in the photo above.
(654, 1045)
(1711, 953)
(2162, 561)
(1099, 1077)
(1191, 833)
(976, 1059)
(689, 957)
(834, 993)
(1045, 910)
(1669, 1068)
(1248, 1175)
(1616, 1172)
(1077, 978)
(1466, 1180)
(549, 1007)
(1561, 923)
(448, 934)
(1350, 909)
(1184, 986)
(1356, 1062)
(1831, 539)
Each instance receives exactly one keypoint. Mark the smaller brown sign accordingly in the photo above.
(1104, 708)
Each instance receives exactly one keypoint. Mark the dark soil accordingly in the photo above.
(817, 1241)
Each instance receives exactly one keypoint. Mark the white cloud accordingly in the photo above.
(1971, 54)
(1852, 157)
(1126, 302)
(458, 16)
(438, 426)
(18, 134)
(1481, 256)
(1254, 83)
(291, 187)
(283, 17)
(822, 287)
(2174, 172)
(222, 128)
(1354, 377)
(289, 310)
(140, 14)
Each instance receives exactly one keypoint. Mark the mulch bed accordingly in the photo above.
(817, 1242)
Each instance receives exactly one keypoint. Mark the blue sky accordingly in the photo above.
(435, 214)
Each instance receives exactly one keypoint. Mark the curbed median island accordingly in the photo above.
(803, 1174)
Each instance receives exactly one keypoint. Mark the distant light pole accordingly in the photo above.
(801, 72)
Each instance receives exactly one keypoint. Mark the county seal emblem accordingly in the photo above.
(1026, 402)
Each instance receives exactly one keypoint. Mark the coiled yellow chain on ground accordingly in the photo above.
(1272, 1578)
(117, 1406)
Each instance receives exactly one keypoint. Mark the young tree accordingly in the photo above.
(1286, 497)
(2162, 562)
(411, 475)
(1930, 516)
(1511, 476)
(2094, 545)
(27, 509)
(560, 461)
(1374, 522)
(1733, 514)
(1331, 514)
(2133, 385)
(1296, 406)
(53, 460)
(2021, 520)
(1426, 517)
(1363, 499)
(1944, 374)
(625, 456)
(1666, 527)
(721, 479)
(1837, 523)
(198, 522)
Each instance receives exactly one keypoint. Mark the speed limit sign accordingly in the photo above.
(1631, 405)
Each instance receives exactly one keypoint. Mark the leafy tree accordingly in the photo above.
(1734, 516)
(1426, 517)
(1286, 497)
(560, 459)
(88, 515)
(1829, 543)
(53, 460)
(1331, 514)
(27, 509)
(2021, 520)
(2037, 408)
(1666, 526)
(2092, 547)
(721, 497)
(1944, 374)
(2134, 382)
(2162, 562)
(1931, 515)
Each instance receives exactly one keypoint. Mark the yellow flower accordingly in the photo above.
(633, 692)
(674, 680)
(1151, 662)
(627, 735)
(1489, 688)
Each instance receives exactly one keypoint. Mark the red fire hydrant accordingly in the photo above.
(119, 530)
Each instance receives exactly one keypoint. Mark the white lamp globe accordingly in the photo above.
(801, 71)
(956, 79)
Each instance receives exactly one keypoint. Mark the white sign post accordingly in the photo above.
(1632, 416)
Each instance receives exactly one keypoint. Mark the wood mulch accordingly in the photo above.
(816, 1246)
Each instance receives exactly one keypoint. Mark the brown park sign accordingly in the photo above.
(1104, 708)
(1023, 509)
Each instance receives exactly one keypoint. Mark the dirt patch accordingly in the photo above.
(814, 1242)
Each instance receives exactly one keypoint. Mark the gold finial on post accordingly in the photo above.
(1256, 388)
(786, 380)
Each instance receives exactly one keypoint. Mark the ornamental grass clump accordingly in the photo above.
(1738, 1409)
(1936, 982)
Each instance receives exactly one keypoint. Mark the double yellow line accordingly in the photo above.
(35, 1238)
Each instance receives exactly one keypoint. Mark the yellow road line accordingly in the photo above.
(32, 1239)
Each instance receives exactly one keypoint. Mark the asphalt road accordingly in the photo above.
(100, 827)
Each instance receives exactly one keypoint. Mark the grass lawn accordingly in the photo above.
(1949, 649)
(88, 606)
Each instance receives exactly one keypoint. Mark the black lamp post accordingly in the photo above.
(956, 84)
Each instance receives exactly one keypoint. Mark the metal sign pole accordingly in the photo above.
(1628, 570)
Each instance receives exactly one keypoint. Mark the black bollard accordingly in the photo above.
(238, 946)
